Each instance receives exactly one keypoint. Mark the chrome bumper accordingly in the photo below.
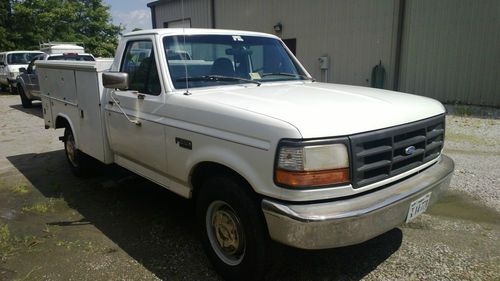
(351, 221)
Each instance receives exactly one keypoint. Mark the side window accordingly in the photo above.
(139, 62)
(32, 67)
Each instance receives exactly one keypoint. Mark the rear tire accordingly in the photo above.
(25, 101)
(233, 229)
(79, 162)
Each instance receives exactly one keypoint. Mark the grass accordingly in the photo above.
(42, 207)
(463, 110)
(27, 276)
(6, 246)
(470, 139)
(69, 244)
(463, 138)
(20, 188)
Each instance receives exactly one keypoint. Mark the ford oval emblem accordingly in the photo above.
(410, 150)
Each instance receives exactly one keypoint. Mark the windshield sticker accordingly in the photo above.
(255, 76)
(237, 38)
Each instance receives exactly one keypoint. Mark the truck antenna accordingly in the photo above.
(187, 93)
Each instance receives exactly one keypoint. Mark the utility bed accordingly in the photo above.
(63, 84)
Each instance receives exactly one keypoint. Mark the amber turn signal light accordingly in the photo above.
(312, 178)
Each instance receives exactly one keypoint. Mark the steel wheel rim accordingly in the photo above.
(225, 233)
(71, 150)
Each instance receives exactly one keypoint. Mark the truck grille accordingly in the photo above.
(388, 152)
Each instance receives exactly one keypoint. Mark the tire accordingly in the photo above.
(233, 230)
(25, 101)
(79, 163)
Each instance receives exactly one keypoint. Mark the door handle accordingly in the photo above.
(113, 101)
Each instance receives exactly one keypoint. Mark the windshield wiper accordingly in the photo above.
(286, 74)
(216, 78)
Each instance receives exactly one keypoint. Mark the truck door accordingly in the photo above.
(31, 83)
(134, 131)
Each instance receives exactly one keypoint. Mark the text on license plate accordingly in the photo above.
(418, 206)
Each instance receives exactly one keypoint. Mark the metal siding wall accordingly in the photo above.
(451, 50)
(355, 34)
(196, 10)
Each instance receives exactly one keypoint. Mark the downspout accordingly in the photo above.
(211, 13)
(153, 16)
(399, 43)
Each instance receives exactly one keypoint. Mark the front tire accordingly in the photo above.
(25, 101)
(78, 162)
(233, 229)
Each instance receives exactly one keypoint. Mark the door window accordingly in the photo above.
(139, 62)
(32, 67)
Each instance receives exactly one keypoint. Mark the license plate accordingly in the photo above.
(418, 206)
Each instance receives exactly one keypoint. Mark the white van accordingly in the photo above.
(10, 63)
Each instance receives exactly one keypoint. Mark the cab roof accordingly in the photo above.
(197, 31)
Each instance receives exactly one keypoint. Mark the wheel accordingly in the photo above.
(79, 162)
(25, 101)
(233, 229)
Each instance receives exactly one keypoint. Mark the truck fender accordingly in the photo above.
(225, 158)
(62, 121)
(20, 83)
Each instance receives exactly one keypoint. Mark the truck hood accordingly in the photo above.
(326, 110)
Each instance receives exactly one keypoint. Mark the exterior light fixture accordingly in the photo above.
(278, 27)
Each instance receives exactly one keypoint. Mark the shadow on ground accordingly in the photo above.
(156, 227)
(35, 109)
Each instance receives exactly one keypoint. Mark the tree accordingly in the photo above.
(5, 17)
(38, 21)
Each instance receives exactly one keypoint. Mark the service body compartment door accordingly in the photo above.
(91, 137)
(58, 93)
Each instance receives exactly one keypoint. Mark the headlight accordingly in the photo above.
(312, 165)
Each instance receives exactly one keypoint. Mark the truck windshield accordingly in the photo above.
(20, 58)
(194, 60)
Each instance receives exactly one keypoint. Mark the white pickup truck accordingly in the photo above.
(234, 121)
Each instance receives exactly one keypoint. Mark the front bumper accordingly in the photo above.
(354, 220)
(12, 81)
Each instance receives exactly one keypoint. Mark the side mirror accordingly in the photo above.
(115, 80)
(22, 69)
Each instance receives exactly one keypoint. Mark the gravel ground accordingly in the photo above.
(117, 226)
(474, 144)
